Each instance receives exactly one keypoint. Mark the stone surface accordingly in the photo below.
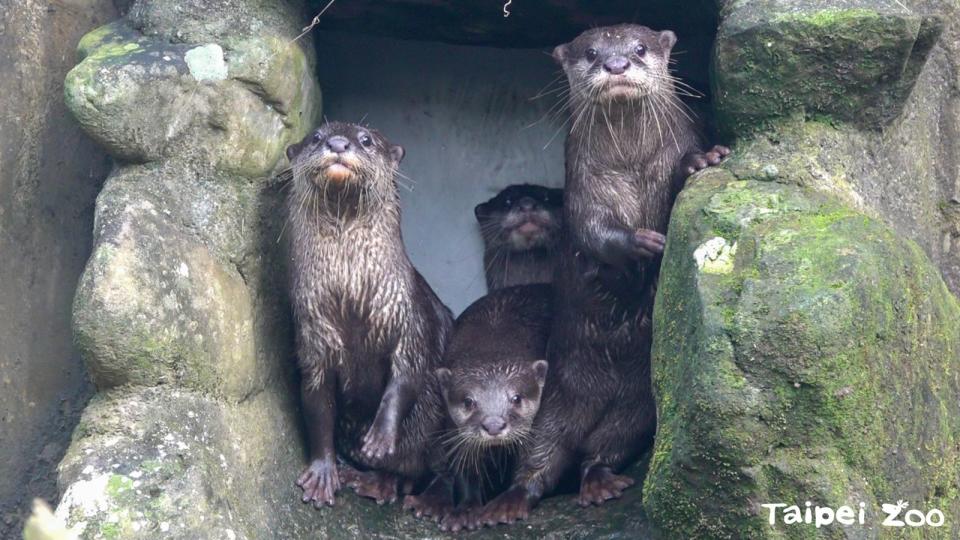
(181, 312)
(50, 172)
(814, 358)
(850, 60)
(161, 463)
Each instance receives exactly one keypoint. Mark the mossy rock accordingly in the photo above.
(235, 103)
(854, 61)
(168, 463)
(803, 352)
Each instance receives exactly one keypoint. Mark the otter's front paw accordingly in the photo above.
(509, 507)
(697, 161)
(320, 482)
(648, 243)
(459, 519)
(600, 484)
(378, 443)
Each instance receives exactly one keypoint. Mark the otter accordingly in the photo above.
(629, 150)
(521, 231)
(492, 386)
(370, 331)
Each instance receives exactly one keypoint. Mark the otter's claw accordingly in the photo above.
(648, 243)
(600, 484)
(459, 519)
(320, 482)
(509, 507)
(697, 161)
(379, 443)
(380, 486)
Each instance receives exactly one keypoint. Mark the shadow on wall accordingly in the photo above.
(50, 173)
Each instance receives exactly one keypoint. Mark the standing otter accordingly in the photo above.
(521, 234)
(370, 331)
(629, 149)
(492, 390)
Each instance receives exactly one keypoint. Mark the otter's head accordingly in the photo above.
(347, 156)
(625, 62)
(493, 406)
(522, 217)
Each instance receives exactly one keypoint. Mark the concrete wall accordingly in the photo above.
(50, 174)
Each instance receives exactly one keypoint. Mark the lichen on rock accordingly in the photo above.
(819, 366)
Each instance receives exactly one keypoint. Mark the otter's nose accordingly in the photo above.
(493, 425)
(338, 144)
(526, 203)
(616, 65)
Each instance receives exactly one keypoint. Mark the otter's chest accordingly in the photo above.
(357, 285)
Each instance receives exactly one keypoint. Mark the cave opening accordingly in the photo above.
(473, 97)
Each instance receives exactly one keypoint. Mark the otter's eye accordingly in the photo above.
(317, 137)
(516, 399)
(468, 403)
(365, 140)
(508, 202)
(591, 55)
(640, 50)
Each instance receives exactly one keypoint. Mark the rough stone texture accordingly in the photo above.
(855, 61)
(50, 172)
(908, 172)
(804, 351)
(166, 463)
(806, 344)
(180, 313)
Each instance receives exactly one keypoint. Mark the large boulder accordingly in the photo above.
(806, 344)
(180, 314)
(803, 352)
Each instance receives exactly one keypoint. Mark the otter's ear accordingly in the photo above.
(481, 212)
(667, 40)
(292, 151)
(560, 53)
(443, 377)
(397, 152)
(540, 370)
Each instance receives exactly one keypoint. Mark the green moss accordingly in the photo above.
(831, 17)
(768, 63)
(776, 381)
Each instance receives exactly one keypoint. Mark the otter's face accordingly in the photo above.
(521, 218)
(344, 155)
(491, 408)
(624, 62)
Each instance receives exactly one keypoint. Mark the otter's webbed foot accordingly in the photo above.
(696, 161)
(320, 482)
(599, 484)
(434, 503)
(459, 519)
(380, 441)
(509, 507)
(382, 487)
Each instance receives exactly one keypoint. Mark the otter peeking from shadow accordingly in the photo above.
(521, 235)
(492, 388)
(370, 331)
(630, 147)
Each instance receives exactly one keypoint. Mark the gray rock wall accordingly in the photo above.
(50, 173)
